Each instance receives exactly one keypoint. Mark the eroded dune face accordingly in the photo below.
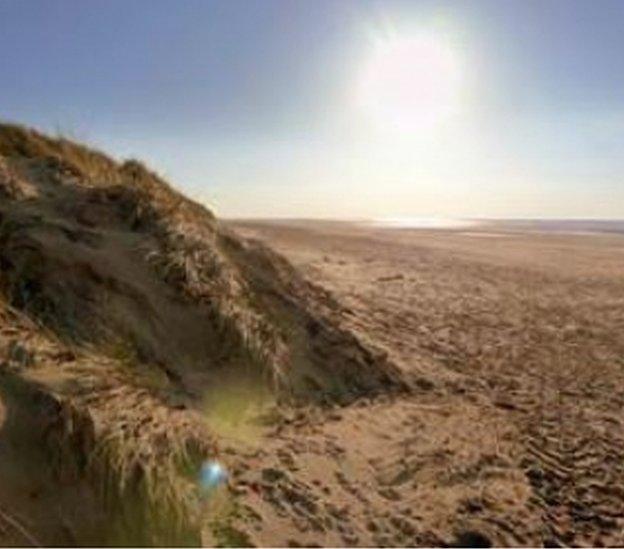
(128, 310)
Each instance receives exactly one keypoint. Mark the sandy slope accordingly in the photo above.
(515, 435)
(135, 333)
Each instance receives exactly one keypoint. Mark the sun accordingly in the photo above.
(411, 83)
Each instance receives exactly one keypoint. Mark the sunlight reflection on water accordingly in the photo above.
(423, 223)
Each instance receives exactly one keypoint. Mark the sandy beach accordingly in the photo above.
(336, 273)
(514, 435)
(169, 379)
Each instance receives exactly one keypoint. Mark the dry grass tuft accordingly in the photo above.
(140, 456)
(12, 186)
(59, 153)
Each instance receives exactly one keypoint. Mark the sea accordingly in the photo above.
(569, 226)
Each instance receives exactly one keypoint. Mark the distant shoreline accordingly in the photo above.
(563, 226)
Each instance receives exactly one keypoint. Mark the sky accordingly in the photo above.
(337, 109)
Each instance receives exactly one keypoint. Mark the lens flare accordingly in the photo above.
(212, 475)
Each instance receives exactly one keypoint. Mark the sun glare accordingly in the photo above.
(411, 82)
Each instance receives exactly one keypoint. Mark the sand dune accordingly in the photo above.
(134, 328)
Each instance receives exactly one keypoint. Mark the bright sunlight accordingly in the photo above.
(410, 83)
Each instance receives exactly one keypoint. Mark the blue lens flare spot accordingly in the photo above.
(212, 475)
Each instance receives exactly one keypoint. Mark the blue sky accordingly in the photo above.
(251, 106)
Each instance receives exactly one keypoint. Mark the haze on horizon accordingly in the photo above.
(343, 109)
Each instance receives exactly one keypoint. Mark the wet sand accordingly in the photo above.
(514, 340)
